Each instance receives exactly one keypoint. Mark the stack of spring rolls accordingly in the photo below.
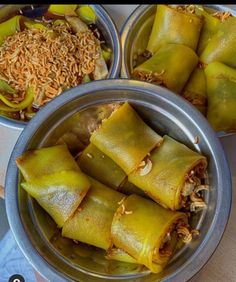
(124, 192)
(192, 52)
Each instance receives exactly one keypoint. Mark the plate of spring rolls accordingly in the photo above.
(130, 192)
(188, 49)
(117, 187)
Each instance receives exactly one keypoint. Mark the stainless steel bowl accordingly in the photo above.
(163, 111)
(104, 23)
(136, 31)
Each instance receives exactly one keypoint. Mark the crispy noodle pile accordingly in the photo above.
(50, 60)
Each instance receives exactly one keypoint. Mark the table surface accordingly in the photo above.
(222, 263)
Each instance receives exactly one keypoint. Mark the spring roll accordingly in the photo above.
(59, 193)
(171, 66)
(36, 163)
(125, 138)
(91, 223)
(195, 90)
(210, 27)
(174, 26)
(221, 93)
(149, 242)
(102, 168)
(221, 47)
(168, 171)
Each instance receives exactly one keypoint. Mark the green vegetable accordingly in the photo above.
(6, 105)
(106, 54)
(86, 14)
(9, 27)
(5, 87)
(65, 10)
(86, 78)
(32, 25)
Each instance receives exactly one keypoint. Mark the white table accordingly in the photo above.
(222, 265)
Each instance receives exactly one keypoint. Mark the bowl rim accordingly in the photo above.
(224, 199)
(130, 23)
(115, 67)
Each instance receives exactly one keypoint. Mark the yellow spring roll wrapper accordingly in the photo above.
(125, 138)
(173, 26)
(99, 166)
(36, 163)
(139, 228)
(91, 223)
(171, 66)
(59, 193)
(171, 163)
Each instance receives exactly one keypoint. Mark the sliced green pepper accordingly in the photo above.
(86, 78)
(9, 27)
(173, 26)
(5, 87)
(36, 163)
(210, 27)
(59, 193)
(64, 10)
(13, 107)
(99, 166)
(91, 223)
(171, 162)
(86, 14)
(106, 53)
(221, 47)
(221, 93)
(125, 138)
(133, 232)
(170, 66)
(195, 90)
(34, 25)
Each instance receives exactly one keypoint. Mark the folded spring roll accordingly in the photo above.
(149, 242)
(99, 166)
(174, 26)
(36, 163)
(210, 27)
(125, 138)
(91, 223)
(195, 90)
(221, 47)
(171, 66)
(59, 193)
(221, 93)
(167, 172)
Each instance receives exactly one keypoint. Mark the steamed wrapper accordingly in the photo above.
(195, 90)
(129, 188)
(171, 66)
(142, 238)
(125, 138)
(221, 47)
(59, 193)
(91, 223)
(171, 163)
(173, 26)
(210, 27)
(99, 166)
(44, 161)
(221, 93)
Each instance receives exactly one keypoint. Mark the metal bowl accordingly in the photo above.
(135, 35)
(104, 23)
(166, 113)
